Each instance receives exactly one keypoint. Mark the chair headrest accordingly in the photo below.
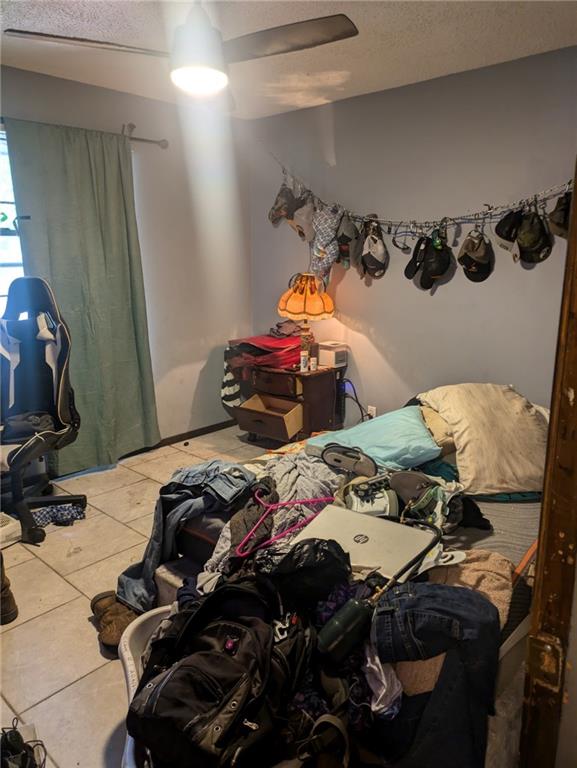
(32, 295)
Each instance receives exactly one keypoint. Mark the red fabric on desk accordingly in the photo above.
(284, 358)
(282, 353)
(271, 343)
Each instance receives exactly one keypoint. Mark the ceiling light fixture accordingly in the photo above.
(199, 81)
(197, 63)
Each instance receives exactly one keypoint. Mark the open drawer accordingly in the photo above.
(271, 417)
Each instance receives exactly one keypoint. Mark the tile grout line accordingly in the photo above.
(21, 722)
(10, 705)
(88, 504)
(145, 461)
(64, 687)
(111, 490)
(44, 613)
(185, 453)
(95, 474)
(64, 577)
(101, 560)
(52, 760)
(122, 522)
(85, 567)
(94, 496)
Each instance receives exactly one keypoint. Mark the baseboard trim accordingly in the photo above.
(184, 436)
(197, 433)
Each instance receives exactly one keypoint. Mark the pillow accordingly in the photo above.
(440, 430)
(500, 437)
(545, 412)
(398, 439)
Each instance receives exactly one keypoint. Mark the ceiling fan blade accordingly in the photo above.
(289, 37)
(83, 42)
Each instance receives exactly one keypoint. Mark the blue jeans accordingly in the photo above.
(418, 621)
(200, 490)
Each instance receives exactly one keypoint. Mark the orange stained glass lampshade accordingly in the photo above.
(306, 299)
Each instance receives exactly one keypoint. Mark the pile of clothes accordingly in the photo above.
(237, 674)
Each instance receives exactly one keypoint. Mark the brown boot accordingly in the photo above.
(111, 617)
(8, 607)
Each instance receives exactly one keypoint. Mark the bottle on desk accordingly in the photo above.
(314, 357)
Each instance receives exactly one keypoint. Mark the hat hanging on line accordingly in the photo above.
(534, 239)
(284, 206)
(375, 256)
(433, 260)
(349, 241)
(476, 256)
(302, 221)
(559, 216)
(507, 228)
(526, 230)
(437, 257)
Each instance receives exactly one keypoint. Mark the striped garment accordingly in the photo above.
(230, 389)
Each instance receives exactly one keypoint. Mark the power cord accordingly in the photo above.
(365, 416)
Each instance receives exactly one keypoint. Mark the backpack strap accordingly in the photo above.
(328, 735)
(329, 732)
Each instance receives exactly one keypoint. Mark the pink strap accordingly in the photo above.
(242, 551)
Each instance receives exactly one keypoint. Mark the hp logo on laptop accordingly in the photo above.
(361, 538)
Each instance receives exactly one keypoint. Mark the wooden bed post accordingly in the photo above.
(555, 572)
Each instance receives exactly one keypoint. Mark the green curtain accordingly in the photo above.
(77, 187)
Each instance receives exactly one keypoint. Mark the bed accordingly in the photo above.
(514, 531)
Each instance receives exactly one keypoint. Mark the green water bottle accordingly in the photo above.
(348, 628)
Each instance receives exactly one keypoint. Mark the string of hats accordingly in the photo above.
(336, 234)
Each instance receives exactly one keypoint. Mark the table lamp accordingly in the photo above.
(306, 300)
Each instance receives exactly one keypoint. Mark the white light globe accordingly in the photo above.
(199, 81)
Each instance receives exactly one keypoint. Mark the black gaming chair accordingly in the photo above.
(37, 402)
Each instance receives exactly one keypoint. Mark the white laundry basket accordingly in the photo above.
(132, 645)
(505, 726)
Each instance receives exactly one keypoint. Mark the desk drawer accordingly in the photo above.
(270, 417)
(283, 384)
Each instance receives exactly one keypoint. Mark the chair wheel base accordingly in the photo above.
(34, 535)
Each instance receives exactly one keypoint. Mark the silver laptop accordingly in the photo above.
(371, 542)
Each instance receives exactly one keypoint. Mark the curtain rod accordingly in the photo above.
(127, 130)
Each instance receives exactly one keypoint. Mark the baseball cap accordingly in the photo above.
(436, 261)
(348, 238)
(302, 221)
(284, 206)
(476, 256)
(416, 261)
(533, 238)
(559, 216)
(506, 229)
(375, 256)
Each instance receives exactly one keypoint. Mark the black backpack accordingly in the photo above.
(216, 684)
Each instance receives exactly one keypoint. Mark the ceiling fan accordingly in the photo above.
(199, 57)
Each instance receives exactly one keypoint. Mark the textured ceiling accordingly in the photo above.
(399, 43)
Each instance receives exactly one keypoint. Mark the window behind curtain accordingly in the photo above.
(10, 253)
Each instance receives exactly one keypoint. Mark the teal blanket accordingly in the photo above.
(448, 472)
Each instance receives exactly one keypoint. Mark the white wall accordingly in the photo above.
(424, 151)
(197, 293)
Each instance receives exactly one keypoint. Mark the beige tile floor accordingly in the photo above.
(54, 673)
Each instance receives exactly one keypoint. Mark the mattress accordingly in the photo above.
(514, 535)
(515, 528)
